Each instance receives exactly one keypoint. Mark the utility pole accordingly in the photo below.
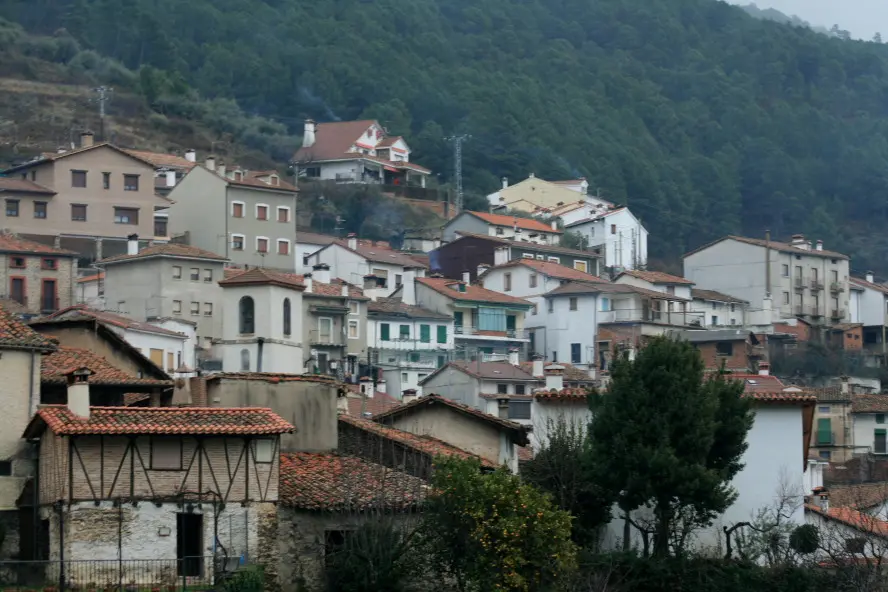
(103, 95)
(457, 168)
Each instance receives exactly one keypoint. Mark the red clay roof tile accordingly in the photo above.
(512, 221)
(15, 334)
(79, 311)
(472, 292)
(12, 243)
(55, 367)
(555, 270)
(657, 277)
(159, 159)
(853, 518)
(168, 250)
(10, 184)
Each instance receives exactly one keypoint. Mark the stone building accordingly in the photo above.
(37, 277)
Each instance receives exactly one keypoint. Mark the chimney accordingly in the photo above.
(353, 241)
(821, 498)
(798, 241)
(321, 272)
(61, 150)
(467, 278)
(408, 396)
(86, 139)
(537, 366)
(502, 406)
(345, 290)
(220, 168)
(380, 385)
(342, 403)
(555, 224)
(78, 392)
(764, 369)
(309, 283)
(191, 155)
(501, 255)
(371, 287)
(308, 136)
(593, 372)
(870, 277)
(170, 178)
(808, 245)
(819, 245)
(366, 385)
(531, 176)
(846, 384)
(505, 182)
(211, 163)
(57, 241)
(482, 267)
(513, 356)
(408, 287)
(132, 244)
(554, 377)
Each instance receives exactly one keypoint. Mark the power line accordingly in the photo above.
(457, 167)
(103, 96)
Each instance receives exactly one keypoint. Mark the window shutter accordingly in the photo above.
(384, 331)
(442, 334)
(824, 431)
(425, 333)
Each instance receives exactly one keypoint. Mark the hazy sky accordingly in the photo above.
(861, 17)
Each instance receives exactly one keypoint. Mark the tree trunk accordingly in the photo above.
(661, 535)
(627, 531)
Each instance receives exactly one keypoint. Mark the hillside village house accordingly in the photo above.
(169, 169)
(503, 226)
(356, 152)
(533, 194)
(169, 281)
(556, 404)
(470, 251)
(793, 279)
(306, 244)
(39, 278)
(485, 323)
(91, 289)
(717, 309)
(96, 191)
(868, 305)
(622, 238)
(247, 216)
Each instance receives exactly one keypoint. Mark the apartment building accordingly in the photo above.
(368, 264)
(247, 216)
(38, 278)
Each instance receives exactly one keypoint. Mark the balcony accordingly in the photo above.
(475, 333)
(825, 438)
(799, 310)
(836, 287)
(816, 285)
(49, 305)
(651, 315)
(799, 283)
(837, 314)
(814, 311)
(328, 338)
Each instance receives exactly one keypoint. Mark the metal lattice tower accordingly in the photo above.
(103, 96)
(457, 167)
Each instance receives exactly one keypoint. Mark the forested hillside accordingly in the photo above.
(702, 118)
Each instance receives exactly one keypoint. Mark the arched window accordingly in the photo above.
(247, 316)
(286, 316)
(245, 360)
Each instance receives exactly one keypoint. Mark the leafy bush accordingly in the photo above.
(248, 579)
(805, 539)
(374, 557)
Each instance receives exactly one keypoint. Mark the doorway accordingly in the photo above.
(189, 544)
(48, 296)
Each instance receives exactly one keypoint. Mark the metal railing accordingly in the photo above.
(333, 337)
(838, 313)
(816, 284)
(127, 575)
(466, 330)
(836, 287)
(799, 282)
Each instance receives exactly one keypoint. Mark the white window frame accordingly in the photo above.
(243, 241)
(527, 255)
(357, 325)
(267, 243)
(541, 257)
(177, 310)
(195, 312)
(585, 266)
(354, 307)
(207, 309)
(243, 208)
(267, 211)
(554, 260)
(277, 214)
(289, 247)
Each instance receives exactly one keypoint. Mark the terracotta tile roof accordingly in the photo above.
(610, 288)
(388, 141)
(272, 377)
(313, 481)
(132, 399)
(489, 370)
(801, 398)
(55, 367)
(333, 139)
(91, 278)
(164, 420)
(872, 286)
(427, 445)
(529, 246)
(869, 404)
(314, 238)
(160, 160)
(757, 383)
(79, 311)
(698, 294)
(860, 496)
(14, 306)
(15, 334)
(261, 276)
(571, 372)
(473, 293)
(378, 403)
(519, 432)
(551, 269)
(12, 243)
(657, 277)
(13, 185)
(422, 258)
(853, 518)
(566, 394)
(167, 250)
(395, 307)
(380, 254)
(52, 156)
(776, 245)
(257, 182)
(235, 276)
(512, 221)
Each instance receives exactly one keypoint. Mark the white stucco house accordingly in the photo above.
(503, 226)
(718, 310)
(307, 243)
(616, 229)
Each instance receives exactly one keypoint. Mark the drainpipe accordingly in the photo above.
(227, 214)
(34, 354)
(768, 263)
(260, 341)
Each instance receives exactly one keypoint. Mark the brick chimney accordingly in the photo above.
(78, 392)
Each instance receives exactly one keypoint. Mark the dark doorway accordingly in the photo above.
(17, 290)
(48, 299)
(189, 544)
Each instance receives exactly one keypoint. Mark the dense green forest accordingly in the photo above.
(703, 119)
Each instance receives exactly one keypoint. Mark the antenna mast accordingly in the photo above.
(457, 167)
(103, 96)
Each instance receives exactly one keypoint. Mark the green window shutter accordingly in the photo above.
(425, 333)
(414, 357)
(880, 418)
(405, 332)
(880, 432)
(384, 331)
(824, 431)
(442, 334)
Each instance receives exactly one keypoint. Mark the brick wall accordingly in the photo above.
(33, 274)
(738, 360)
(801, 330)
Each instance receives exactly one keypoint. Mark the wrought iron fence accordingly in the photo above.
(193, 574)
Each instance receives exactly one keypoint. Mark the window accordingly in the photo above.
(195, 308)
(605, 304)
(554, 260)
(195, 274)
(166, 454)
(177, 307)
(245, 360)
(533, 310)
(507, 282)
(613, 229)
(106, 180)
(354, 307)
(405, 377)
(550, 305)
(17, 262)
(160, 226)
(78, 178)
(17, 290)
(519, 409)
(499, 230)
(5, 468)
(398, 279)
(353, 332)
(261, 244)
(880, 418)
(670, 290)
(441, 361)
(404, 332)
(519, 389)
(502, 389)
(126, 216)
(177, 272)
(581, 266)
(287, 313)
(40, 209)
(12, 208)
(171, 359)
(131, 182)
(208, 309)
(78, 213)
(785, 270)
(442, 333)
(533, 280)
(246, 308)
(49, 263)
(237, 209)
(208, 275)
(823, 409)
(575, 353)
(261, 212)
(855, 545)
(384, 332)
(825, 455)
(554, 357)
(237, 242)
(283, 214)
(573, 303)
(283, 246)
(325, 330)
(33, 175)
(724, 348)
(786, 298)
(834, 274)
(263, 450)
(425, 333)
(878, 441)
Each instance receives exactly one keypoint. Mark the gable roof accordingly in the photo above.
(162, 160)
(79, 311)
(518, 431)
(753, 383)
(487, 371)
(55, 367)
(865, 284)
(859, 495)
(14, 334)
(854, 518)
(699, 294)
(13, 243)
(866, 403)
(174, 250)
(314, 238)
(333, 139)
(333, 482)
(395, 307)
(776, 245)
(549, 268)
(377, 254)
(522, 244)
(254, 179)
(473, 293)
(23, 186)
(260, 276)
(512, 221)
(53, 156)
(609, 288)
(180, 421)
(657, 277)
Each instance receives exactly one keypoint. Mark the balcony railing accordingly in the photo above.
(799, 283)
(331, 338)
(650, 315)
(825, 438)
(836, 287)
(466, 331)
(816, 285)
(837, 313)
(815, 311)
